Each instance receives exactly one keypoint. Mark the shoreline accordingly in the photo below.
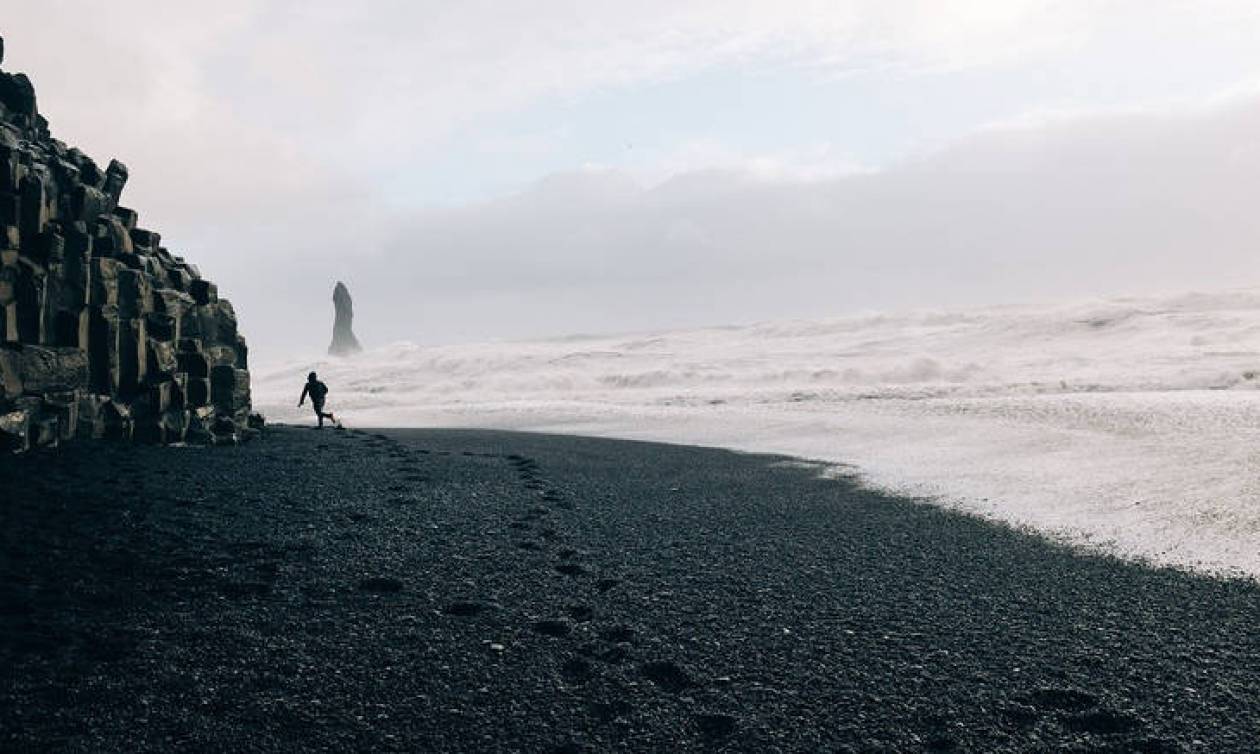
(460, 590)
(1194, 513)
(1130, 420)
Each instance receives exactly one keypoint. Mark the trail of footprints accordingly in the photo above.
(1082, 712)
(535, 532)
(1073, 710)
(612, 644)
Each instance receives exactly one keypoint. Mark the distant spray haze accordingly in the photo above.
(1129, 203)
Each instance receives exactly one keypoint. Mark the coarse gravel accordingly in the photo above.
(470, 591)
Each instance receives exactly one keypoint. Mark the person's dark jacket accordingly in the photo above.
(316, 389)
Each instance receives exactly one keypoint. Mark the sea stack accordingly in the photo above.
(343, 342)
(103, 331)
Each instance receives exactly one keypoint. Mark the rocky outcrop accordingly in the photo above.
(343, 342)
(103, 331)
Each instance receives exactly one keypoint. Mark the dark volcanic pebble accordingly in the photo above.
(272, 597)
(381, 585)
(617, 634)
(576, 670)
(1063, 699)
(1102, 721)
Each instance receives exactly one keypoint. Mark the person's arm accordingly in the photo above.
(305, 388)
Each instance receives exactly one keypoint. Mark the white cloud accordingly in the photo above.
(1092, 205)
(807, 162)
(377, 76)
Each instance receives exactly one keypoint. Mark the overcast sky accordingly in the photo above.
(483, 170)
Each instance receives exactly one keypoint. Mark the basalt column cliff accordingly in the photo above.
(103, 332)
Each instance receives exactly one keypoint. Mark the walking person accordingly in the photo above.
(317, 391)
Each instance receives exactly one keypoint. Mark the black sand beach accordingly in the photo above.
(478, 591)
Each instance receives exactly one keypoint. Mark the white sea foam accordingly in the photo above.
(1129, 425)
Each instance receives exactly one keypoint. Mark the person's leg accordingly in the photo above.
(319, 411)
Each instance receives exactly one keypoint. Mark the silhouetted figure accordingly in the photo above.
(317, 390)
(343, 343)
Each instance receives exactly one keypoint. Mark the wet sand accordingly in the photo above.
(422, 590)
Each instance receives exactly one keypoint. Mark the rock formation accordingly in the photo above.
(103, 332)
(343, 342)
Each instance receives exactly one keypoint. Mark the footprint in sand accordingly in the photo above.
(1102, 722)
(715, 725)
(552, 628)
(667, 675)
(1064, 700)
(581, 613)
